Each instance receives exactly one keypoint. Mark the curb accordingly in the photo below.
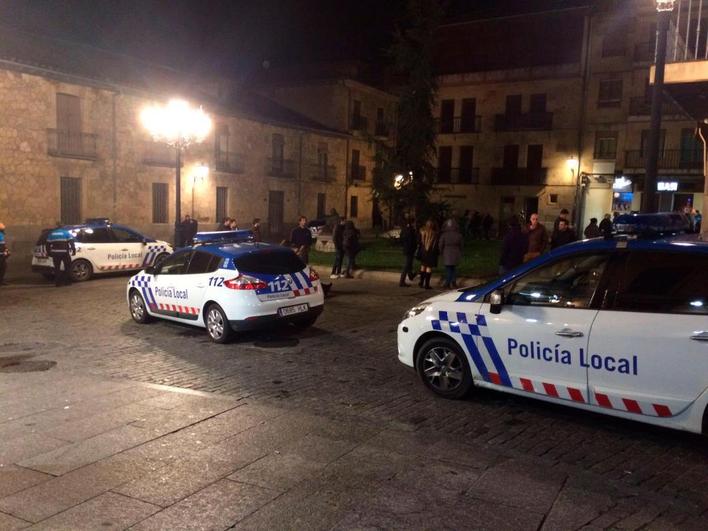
(393, 276)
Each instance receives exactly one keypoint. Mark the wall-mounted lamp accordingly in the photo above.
(572, 163)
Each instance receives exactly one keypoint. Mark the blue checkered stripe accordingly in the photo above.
(474, 332)
(152, 251)
(140, 281)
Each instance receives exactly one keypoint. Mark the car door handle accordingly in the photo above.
(569, 332)
(125, 250)
(90, 248)
(700, 336)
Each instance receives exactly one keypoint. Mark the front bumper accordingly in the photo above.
(264, 321)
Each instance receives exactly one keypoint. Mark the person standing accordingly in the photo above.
(564, 235)
(698, 221)
(338, 241)
(592, 230)
(190, 227)
(451, 241)
(232, 224)
(427, 252)
(60, 246)
(4, 254)
(224, 224)
(256, 229)
(606, 226)
(487, 222)
(351, 246)
(563, 216)
(301, 239)
(514, 246)
(537, 236)
(409, 243)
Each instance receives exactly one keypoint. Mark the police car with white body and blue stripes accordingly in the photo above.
(102, 247)
(616, 325)
(226, 283)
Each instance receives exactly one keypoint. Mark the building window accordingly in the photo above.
(513, 105)
(444, 163)
(70, 200)
(610, 94)
(222, 203)
(447, 116)
(323, 161)
(159, 202)
(645, 142)
(321, 205)
(511, 156)
(614, 42)
(605, 145)
(357, 171)
(68, 113)
(466, 165)
(468, 116)
(278, 147)
(222, 147)
(537, 104)
(354, 206)
(534, 156)
(552, 199)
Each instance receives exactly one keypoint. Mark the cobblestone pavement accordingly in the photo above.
(610, 472)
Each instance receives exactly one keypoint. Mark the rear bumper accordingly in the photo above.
(264, 321)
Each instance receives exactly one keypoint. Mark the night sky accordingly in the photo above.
(235, 37)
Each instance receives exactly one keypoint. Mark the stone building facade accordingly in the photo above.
(72, 147)
(554, 113)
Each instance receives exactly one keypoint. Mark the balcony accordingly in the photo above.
(531, 121)
(669, 159)
(382, 129)
(229, 162)
(519, 176)
(459, 124)
(322, 173)
(280, 168)
(641, 106)
(359, 123)
(457, 176)
(70, 144)
(357, 173)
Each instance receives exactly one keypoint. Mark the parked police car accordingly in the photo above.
(228, 285)
(102, 247)
(618, 326)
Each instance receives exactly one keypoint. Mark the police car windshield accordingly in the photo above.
(270, 262)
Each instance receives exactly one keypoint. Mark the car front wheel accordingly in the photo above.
(138, 310)
(443, 367)
(81, 270)
(217, 324)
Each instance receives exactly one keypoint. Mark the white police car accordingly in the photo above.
(228, 286)
(613, 326)
(102, 247)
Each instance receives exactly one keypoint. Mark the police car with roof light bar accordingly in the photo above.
(226, 283)
(102, 247)
(618, 326)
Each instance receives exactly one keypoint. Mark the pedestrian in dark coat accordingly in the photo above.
(338, 240)
(538, 238)
(409, 244)
(564, 235)
(301, 239)
(606, 226)
(514, 247)
(592, 230)
(451, 241)
(350, 243)
(60, 246)
(190, 227)
(427, 252)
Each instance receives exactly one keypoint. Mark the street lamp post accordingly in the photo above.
(178, 125)
(649, 199)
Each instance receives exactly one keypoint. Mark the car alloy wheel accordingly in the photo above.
(217, 325)
(137, 308)
(80, 270)
(443, 368)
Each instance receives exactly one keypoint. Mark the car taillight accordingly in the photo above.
(313, 275)
(242, 282)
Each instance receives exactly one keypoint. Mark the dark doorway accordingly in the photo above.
(275, 213)
(530, 207)
(447, 116)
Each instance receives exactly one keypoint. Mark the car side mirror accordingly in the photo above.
(496, 300)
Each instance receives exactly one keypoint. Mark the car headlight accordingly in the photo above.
(416, 310)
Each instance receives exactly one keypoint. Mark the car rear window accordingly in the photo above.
(270, 262)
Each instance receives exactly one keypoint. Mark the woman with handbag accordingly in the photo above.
(427, 252)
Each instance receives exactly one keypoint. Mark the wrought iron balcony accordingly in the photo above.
(457, 176)
(669, 159)
(530, 121)
(357, 173)
(280, 168)
(71, 144)
(320, 172)
(641, 106)
(459, 124)
(359, 123)
(229, 162)
(519, 176)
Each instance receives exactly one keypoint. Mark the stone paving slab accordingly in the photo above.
(15, 478)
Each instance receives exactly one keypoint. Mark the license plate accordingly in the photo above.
(292, 310)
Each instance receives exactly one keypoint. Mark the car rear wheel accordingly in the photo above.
(217, 324)
(138, 310)
(443, 367)
(81, 270)
(160, 257)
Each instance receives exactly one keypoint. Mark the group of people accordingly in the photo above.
(188, 229)
(426, 245)
(229, 223)
(476, 225)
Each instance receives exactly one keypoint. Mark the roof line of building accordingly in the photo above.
(516, 15)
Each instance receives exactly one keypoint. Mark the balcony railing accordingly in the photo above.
(457, 176)
(280, 167)
(519, 176)
(530, 121)
(641, 106)
(459, 124)
(669, 159)
(382, 129)
(320, 172)
(229, 162)
(70, 144)
(359, 123)
(357, 173)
